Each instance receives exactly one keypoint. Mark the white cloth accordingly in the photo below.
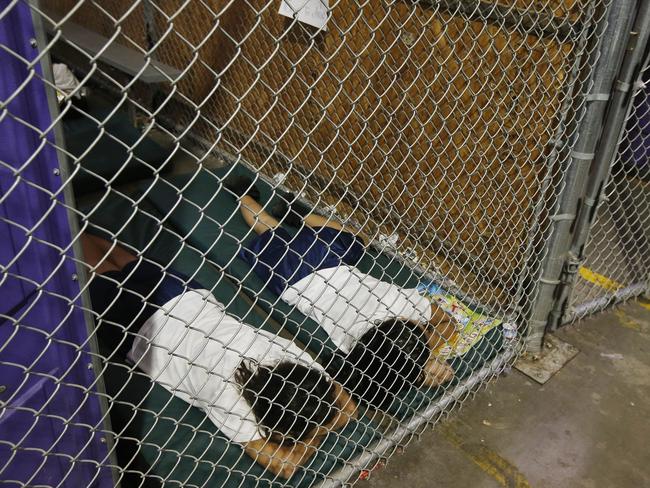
(65, 81)
(192, 348)
(347, 303)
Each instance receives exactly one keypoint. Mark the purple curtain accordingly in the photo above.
(51, 422)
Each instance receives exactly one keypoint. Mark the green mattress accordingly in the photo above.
(117, 153)
(206, 215)
(168, 440)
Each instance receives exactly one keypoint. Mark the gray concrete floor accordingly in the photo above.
(588, 426)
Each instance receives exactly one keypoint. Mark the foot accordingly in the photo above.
(289, 210)
(242, 185)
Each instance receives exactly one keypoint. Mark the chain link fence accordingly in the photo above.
(267, 243)
(617, 254)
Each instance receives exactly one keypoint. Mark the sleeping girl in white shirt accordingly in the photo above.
(260, 390)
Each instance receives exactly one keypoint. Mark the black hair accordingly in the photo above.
(289, 400)
(387, 360)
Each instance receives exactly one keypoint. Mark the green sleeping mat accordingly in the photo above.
(165, 438)
(206, 214)
(118, 152)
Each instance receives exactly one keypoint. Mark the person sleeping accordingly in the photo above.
(388, 335)
(261, 391)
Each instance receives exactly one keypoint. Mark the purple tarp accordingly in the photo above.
(635, 146)
(51, 428)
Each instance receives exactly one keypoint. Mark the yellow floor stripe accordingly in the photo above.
(644, 302)
(599, 280)
(491, 463)
(627, 321)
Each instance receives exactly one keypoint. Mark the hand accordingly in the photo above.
(441, 330)
(281, 460)
(437, 372)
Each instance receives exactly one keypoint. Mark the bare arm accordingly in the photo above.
(283, 460)
(279, 459)
(255, 216)
(439, 332)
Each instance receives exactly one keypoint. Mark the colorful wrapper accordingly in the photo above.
(470, 325)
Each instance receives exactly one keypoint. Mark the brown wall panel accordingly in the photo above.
(105, 17)
(411, 120)
(422, 123)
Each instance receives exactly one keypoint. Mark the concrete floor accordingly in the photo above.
(588, 426)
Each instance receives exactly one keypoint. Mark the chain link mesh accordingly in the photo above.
(617, 254)
(294, 248)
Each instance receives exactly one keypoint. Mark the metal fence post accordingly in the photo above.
(618, 111)
(558, 262)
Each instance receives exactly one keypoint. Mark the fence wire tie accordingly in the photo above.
(622, 86)
(581, 156)
(548, 281)
(537, 322)
(597, 97)
(562, 217)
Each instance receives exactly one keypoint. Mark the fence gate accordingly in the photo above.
(267, 242)
(616, 263)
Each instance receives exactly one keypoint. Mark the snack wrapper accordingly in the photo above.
(471, 326)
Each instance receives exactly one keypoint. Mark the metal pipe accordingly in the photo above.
(541, 22)
(605, 61)
(533, 256)
(601, 303)
(614, 125)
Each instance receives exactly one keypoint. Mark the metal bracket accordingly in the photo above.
(622, 86)
(571, 266)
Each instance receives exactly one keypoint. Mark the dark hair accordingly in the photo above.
(385, 361)
(288, 399)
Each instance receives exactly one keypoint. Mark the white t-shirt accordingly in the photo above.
(192, 348)
(347, 303)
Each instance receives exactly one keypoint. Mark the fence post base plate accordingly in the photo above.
(543, 365)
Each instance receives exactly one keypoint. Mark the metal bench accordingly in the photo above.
(123, 58)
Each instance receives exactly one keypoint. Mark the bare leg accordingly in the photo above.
(119, 255)
(260, 221)
(255, 216)
(94, 256)
(314, 220)
(103, 256)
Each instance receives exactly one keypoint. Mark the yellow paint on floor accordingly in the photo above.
(627, 321)
(599, 280)
(644, 303)
(491, 463)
